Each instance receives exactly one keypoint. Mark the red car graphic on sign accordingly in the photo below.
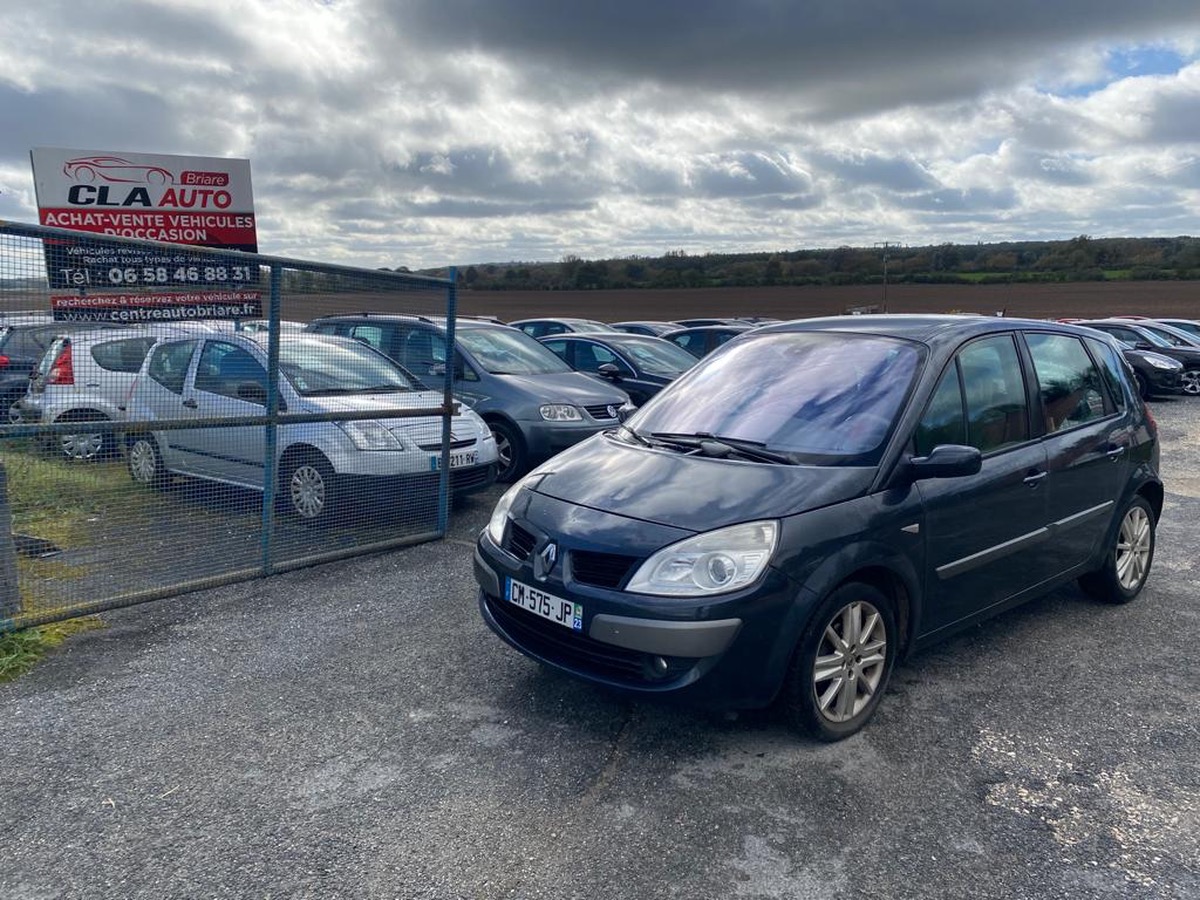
(89, 169)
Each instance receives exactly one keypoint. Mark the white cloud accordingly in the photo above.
(429, 132)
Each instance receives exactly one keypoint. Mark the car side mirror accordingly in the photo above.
(1144, 345)
(946, 461)
(609, 370)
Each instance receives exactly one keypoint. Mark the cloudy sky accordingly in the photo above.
(434, 132)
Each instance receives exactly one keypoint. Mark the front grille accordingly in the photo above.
(579, 652)
(605, 570)
(454, 445)
(601, 411)
(518, 541)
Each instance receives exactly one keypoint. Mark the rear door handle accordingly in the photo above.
(1115, 453)
(1034, 479)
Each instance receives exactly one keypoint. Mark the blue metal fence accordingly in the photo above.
(107, 350)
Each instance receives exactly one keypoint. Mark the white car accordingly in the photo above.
(322, 465)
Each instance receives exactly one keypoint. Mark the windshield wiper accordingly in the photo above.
(637, 437)
(718, 446)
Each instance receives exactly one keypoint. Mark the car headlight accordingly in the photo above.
(495, 525)
(368, 434)
(716, 562)
(1160, 362)
(560, 412)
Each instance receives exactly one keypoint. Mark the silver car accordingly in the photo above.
(321, 464)
(85, 376)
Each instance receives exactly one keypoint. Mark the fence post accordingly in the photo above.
(10, 593)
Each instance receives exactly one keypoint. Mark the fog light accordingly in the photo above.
(659, 665)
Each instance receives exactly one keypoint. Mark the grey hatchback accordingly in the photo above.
(533, 402)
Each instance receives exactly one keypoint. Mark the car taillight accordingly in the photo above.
(62, 371)
(1150, 419)
(4, 361)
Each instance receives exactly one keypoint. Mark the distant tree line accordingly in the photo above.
(1083, 258)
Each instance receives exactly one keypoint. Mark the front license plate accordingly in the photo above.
(555, 609)
(457, 460)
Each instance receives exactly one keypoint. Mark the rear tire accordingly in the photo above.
(1126, 565)
(842, 664)
(84, 446)
(145, 462)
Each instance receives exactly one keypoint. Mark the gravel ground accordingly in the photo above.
(353, 730)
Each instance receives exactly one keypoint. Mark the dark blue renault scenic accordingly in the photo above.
(819, 498)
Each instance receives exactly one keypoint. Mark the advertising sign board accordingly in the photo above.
(202, 201)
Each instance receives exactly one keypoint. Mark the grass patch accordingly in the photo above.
(54, 498)
(21, 650)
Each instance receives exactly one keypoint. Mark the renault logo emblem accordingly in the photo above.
(543, 562)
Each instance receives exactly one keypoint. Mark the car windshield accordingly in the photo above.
(816, 397)
(657, 357)
(507, 351)
(322, 367)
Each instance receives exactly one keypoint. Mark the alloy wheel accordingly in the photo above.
(1134, 543)
(1191, 381)
(850, 663)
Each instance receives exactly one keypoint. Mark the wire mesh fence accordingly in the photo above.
(175, 422)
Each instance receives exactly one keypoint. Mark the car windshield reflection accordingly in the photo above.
(506, 351)
(820, 398)
(331, 367)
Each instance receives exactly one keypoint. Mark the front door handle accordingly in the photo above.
(190, 403)
(1035, 478)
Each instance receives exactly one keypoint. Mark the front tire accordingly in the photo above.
(1126, 565)
(510, 451)
(1191, 382)
(842, 664)
(307, 489)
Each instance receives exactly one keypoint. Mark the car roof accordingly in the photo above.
(438, 322)
(926, 329)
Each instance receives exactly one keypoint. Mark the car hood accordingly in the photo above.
(694, 492)
(338, 403)
(565, 387)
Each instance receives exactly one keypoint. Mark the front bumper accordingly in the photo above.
(722, 652)
(546, 439)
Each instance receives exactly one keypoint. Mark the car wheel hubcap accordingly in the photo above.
(1133, 548)
(142, 462)
(1191, 382)
(82, 446)
(504, 451)
(308, 491)
(850, 662)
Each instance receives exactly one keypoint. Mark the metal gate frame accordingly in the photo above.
(271, 420)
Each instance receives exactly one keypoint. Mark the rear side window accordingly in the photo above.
(124, 355)
(1111, 367)
(169, 363)
(994, 388)
(1071, 388)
